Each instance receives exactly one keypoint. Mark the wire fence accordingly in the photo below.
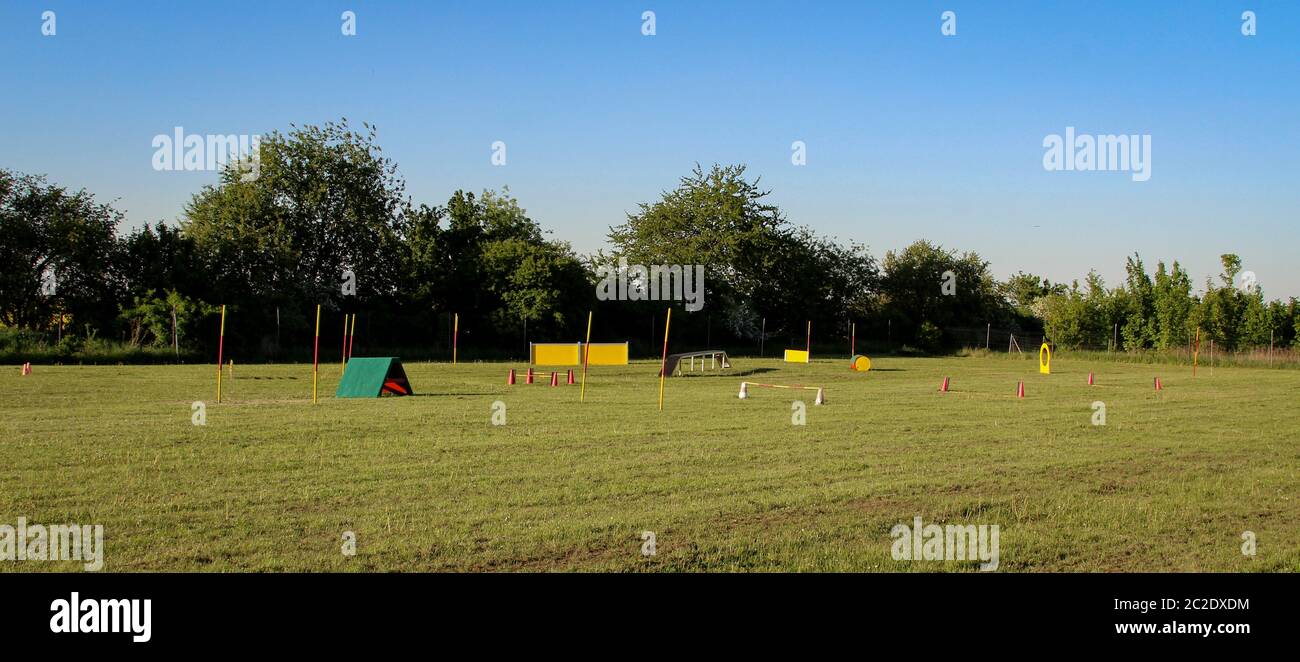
(1017, 341)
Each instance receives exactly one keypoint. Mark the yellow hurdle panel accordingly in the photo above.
(555, 353)
(607, 353)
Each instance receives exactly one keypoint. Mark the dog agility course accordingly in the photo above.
(428, 482)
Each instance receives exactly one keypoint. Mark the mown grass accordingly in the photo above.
(271, 482)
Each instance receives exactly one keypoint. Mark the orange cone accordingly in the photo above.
(555, 378)
(510, 381)
(528, 376)
(944, 387)
(1020, 390)
(1159, 387)
(1090, 379)
(571, 377)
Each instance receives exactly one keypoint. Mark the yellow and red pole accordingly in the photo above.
(315, 357)
(352, 335)
(343, 352)
(221, 346)
(586, 354)
(455, 337)
(663, 362)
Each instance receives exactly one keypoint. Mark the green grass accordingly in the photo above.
(428, 483)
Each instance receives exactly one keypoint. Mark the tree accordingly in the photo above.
(1022, 290)
(325, 201)
(718, 219)
(757, 265)
(913, 288)
(1256, 320)
(58, 248)
(492, 264)
(1139, 328)
(1078, 318)
(1171, 303)
(150, 318)
(161, 258)
(1224, 305)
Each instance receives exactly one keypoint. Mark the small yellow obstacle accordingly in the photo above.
(859, 363)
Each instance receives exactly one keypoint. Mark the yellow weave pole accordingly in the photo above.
(315, 357)
(343, 355)
(221, 343)
(352, 337)
(455, 338)
(663, 363)
(586, 354)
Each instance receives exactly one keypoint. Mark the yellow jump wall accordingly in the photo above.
(570, 354)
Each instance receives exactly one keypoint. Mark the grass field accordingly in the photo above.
(271, 482)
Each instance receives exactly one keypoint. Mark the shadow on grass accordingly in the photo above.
(745, 373)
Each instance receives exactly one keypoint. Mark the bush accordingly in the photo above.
(929, 337)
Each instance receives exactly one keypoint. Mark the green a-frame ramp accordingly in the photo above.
(371, 377)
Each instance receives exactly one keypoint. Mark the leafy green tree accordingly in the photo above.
(1079, 318)
(757, 265)
(58, 249)
(161, 258)
(1282, 315)
(1224, 305)
(913, 288)
(150, 318)
(324, 201)
(1171, 302)
(1140, 328)
(1256, 320)
(1022, 290)
(484, 258)
(1294, 311)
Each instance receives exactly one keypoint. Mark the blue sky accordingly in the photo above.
(909, 134)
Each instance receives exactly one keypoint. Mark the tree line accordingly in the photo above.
(327, 222)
